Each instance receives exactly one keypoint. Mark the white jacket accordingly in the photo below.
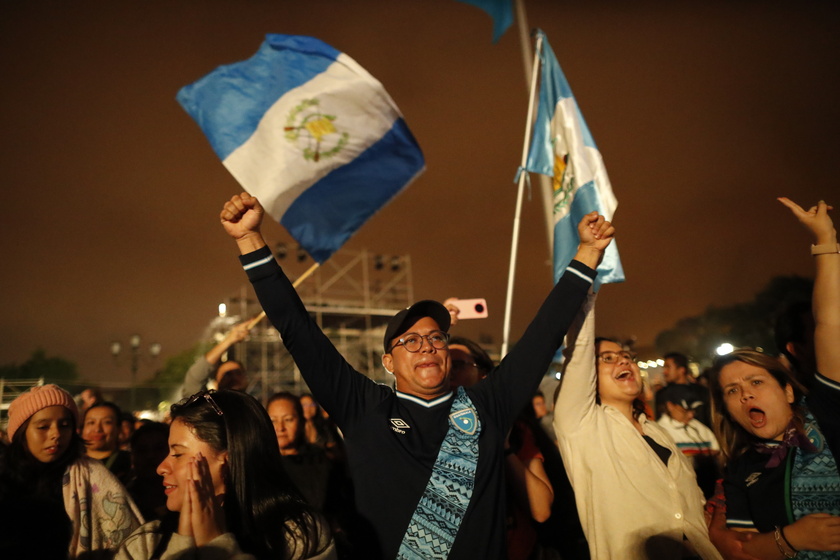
(631, 506)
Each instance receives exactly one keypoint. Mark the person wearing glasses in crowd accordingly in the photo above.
(422, 448)
(636, 494)
(224, 480)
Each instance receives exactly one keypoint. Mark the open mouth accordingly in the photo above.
(624, 375)
(757, 417)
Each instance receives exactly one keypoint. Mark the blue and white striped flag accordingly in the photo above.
(310, 133)
(562, 147)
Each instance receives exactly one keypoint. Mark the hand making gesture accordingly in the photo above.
(595, 233)
(202, 515)
(826, 301)
(241, 217)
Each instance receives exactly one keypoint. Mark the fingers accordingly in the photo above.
(200, 472)
(234, 208)
(744, 536)
(185, 518)
(600, 227)
(795, 208)
(453, 310)
(821, 209)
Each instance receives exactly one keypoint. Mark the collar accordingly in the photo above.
(424, 402)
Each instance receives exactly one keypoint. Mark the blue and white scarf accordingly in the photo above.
(441, 509)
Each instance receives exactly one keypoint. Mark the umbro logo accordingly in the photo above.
(399, 425)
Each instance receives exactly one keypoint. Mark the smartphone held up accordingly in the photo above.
(475, 308)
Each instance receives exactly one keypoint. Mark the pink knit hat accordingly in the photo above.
(39, 398)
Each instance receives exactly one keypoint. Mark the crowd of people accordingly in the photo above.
(460, 457)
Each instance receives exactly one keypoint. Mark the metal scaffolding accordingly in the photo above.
(351, 297)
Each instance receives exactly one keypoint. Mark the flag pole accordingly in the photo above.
(546, 186)
(253, 323)
(524, 40)
(523, 175)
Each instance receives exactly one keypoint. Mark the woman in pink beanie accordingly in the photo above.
(46, 482)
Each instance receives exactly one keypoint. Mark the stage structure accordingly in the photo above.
(351, 296)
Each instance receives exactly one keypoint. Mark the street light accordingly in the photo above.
(134, 341)
(724, 349)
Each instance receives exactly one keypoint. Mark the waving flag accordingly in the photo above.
(500, 10)
(562, 147)
(310, 133)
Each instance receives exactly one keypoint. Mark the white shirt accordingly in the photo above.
(631, 505)
(693, 438)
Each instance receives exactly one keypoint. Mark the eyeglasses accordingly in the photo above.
(189, 401)
(613, 357)
(413, 342)
(458, 364)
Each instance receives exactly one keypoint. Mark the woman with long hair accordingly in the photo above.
(53, 498)
(782, 483)
(224, 479)
(636, 493)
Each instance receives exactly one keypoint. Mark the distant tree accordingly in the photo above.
(743, 324)
(52, 369)
(175, 368)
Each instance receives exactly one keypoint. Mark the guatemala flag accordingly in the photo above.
(562, 147)
(310, 133)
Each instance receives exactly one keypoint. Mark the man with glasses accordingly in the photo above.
(426, 460)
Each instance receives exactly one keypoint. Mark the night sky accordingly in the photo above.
(704, 112)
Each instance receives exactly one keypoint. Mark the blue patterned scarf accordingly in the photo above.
(441, 509)
(814, 482)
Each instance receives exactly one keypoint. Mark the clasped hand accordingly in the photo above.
(202, 514)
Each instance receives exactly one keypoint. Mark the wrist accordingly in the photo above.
(781, 543)
(250, 242)
(590, 256)
(790, 537)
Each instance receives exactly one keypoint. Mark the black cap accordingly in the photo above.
(681, 395)
(401, 322)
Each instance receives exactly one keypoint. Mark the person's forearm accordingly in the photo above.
(196, 377)
(826, 307)
(214, 355)
(531, 494)
(520, 372)
(764, 546)
(577, 385)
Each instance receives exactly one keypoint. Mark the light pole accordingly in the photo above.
(134, 341)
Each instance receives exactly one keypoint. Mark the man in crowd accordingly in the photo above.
(425, 459)
(676, 372)
(693, 438)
